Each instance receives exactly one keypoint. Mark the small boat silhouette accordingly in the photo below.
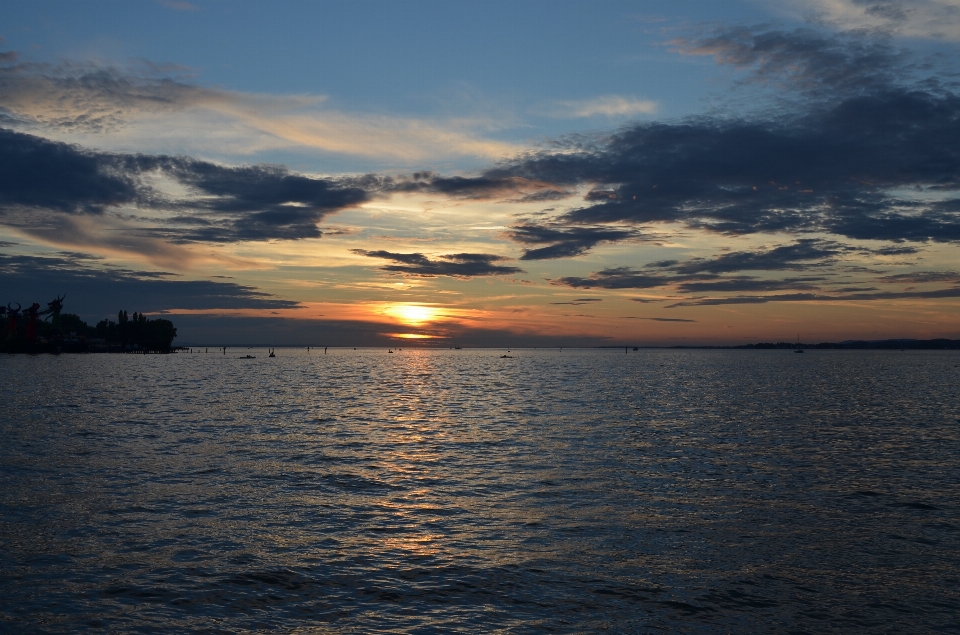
(798, 349)
(271, 353)
(247, 357)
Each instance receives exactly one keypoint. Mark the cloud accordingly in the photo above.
(605, 106)
(922, 277)
(816, 63)
(867, 149)
(834, 172)
(161, 106)
(799, 255)
(564, 241)
(896, 250)
(618, 278)
(747, 283)
(472, 187)
(704, 274)
(94, 290)
(660, 319)
(580, 301)
(953, 292)
(935, 19)
(223, 204)
(843, 172)
(453, 265)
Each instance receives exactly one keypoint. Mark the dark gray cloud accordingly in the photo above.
(580, 301)
(896, 250)
(922, 277)
(232, 203)
(565, 241)
(95, 292)
(459, 186)
(705, 274)
(36, 173)
(619, 278)
(453, 265)
(748, 283)
(831, 172)
(258, 202)
(891, 11)
(953, 292)
(799, 255)
(875, 157)
(659, 319)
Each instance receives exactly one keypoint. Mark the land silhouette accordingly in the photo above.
(33, 330)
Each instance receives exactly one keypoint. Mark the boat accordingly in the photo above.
(798, 349)
(271, 353)
(248, 357)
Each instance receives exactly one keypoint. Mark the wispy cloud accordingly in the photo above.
(826, 65)
(748, 283)
(953, 292)
(158, 106)
(936, 19)
(710, 276)
(612, 106)
(922, 277)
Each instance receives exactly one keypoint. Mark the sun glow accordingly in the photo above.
(413, 314)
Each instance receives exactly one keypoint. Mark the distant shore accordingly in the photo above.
(75, 345)
(895, 344)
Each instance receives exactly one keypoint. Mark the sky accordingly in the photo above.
(486, 173)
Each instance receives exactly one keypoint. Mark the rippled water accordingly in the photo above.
(457, 491)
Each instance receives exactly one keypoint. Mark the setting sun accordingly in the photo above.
(413, 314)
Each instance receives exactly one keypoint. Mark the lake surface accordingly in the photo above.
(676, 491)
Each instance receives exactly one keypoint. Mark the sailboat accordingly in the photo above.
(798, 349)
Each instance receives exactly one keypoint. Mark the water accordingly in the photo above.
(459, 492)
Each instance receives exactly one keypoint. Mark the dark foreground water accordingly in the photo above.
(458, 492)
